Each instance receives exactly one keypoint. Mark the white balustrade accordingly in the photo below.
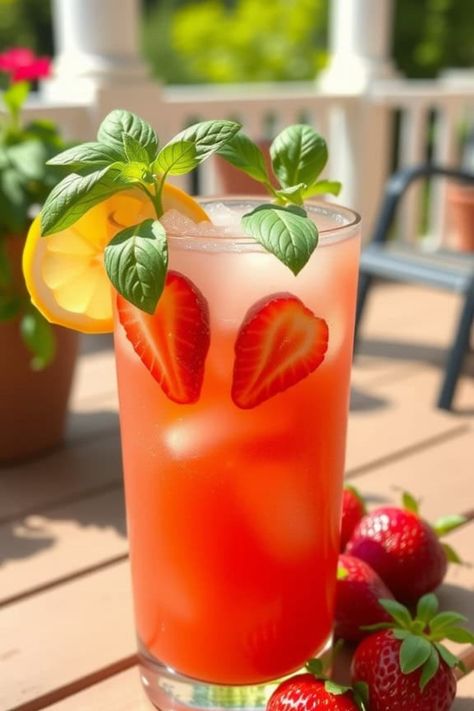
(98, 68)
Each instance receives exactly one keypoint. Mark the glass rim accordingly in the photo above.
(327, 235)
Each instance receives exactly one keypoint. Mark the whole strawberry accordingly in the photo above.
(353, 509)
(404, 549)
(405, 666)
(358, 590)
(305, 692)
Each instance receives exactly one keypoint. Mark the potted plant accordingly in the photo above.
(36, 359)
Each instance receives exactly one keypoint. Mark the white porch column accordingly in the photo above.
(359, 44)
(360, 133)
(96, 47)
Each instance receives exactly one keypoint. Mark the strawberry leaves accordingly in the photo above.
(421, 637)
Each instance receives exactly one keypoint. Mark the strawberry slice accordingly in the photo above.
(173, 342)
(278, 344)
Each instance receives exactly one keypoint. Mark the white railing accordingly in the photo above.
(360, 129)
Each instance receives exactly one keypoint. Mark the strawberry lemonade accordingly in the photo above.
(233, 346)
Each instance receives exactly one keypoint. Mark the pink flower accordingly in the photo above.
(23, 65)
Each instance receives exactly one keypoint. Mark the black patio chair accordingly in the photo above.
(453, 271)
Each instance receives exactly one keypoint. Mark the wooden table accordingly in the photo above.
(66, 630)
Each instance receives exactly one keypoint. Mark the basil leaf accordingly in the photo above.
(298, 154)
(414, 652)
(136, 261)
(207, 137)
(119, 122)
(285, 231)
(87, 155)
(75, 195)
(242, 153)
(134, 151)
(38, 336)
(323, 187)
(294, 194)
(177, 158)
(133, 172)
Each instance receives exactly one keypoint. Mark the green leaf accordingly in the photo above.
(286, 232)
(378, 626)
(427, 607)
(401, 634)
(15, 96)
(38, 336)
(298, 154)
(316, 667)
(342, 573)
(75, 195)
(451, 555)
(176, 158)
(445, 524)
(414, 652)
(134, 151)
(29, 158)
(118, 122)
(445, 620)
(241, 152)
(294, 194)
(136, 261)
(398, 611)
(134, 172)
(447, 656)
(336, 689)
(410, 503)
(430, 667)
(207, 136)
(323, 187)
(87, 155)
(459, 634)
(361, 693)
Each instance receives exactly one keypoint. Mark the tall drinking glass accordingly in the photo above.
(233, 514)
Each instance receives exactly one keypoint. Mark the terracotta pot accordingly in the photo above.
(33, 404)
(233, 182)
(460, 215)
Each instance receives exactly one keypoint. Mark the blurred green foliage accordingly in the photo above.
(250, 41)
(26, 23)
(246, 40)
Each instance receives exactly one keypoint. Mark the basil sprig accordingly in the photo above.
(298, 156)
(127, 154)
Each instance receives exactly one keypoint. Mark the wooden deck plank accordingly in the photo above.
(397, 417)
(122, 692)
(64, 634)
(44, 548)
(61, 476)
(440, 475)
(85, 625)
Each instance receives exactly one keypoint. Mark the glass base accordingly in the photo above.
(170, 691)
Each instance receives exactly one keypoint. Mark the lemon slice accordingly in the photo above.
(65, 273)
